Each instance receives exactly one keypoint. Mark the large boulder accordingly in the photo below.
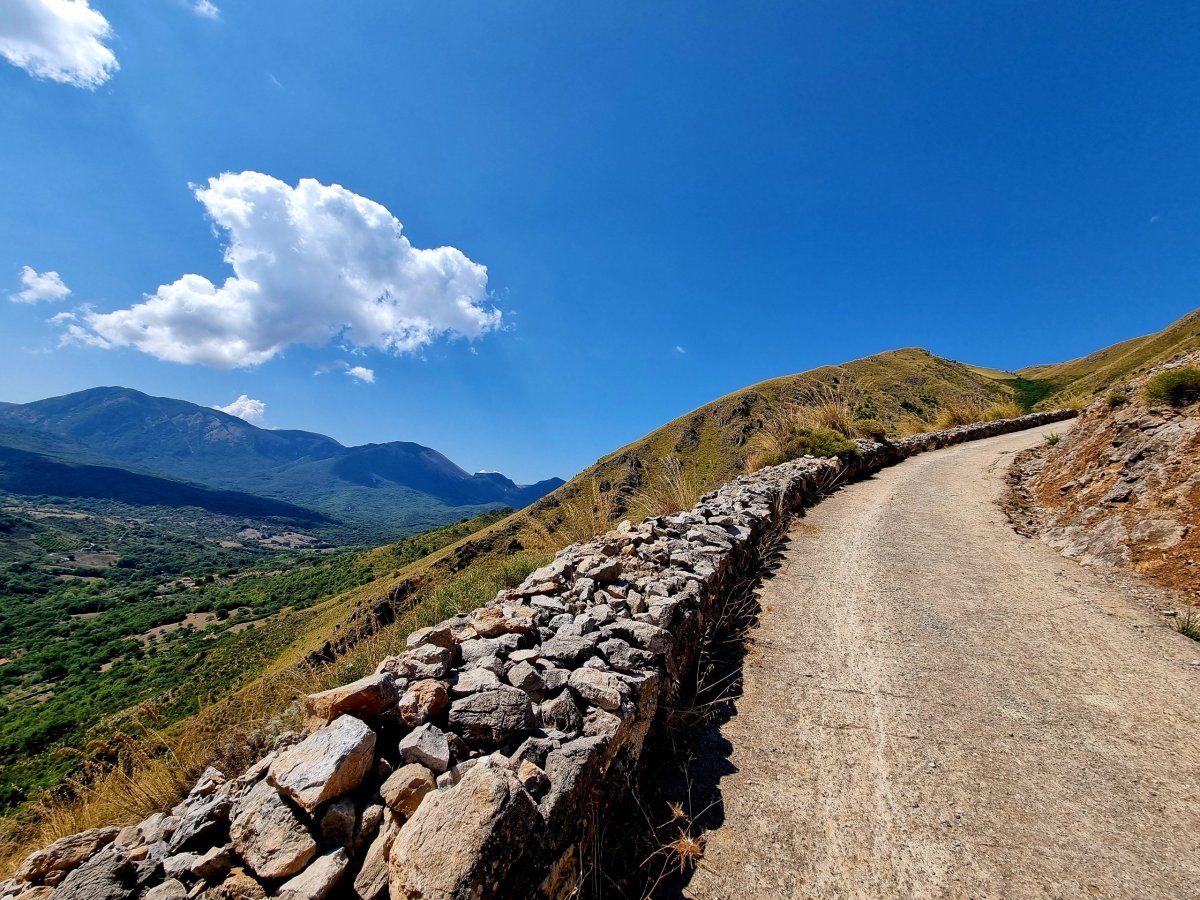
(466, 841)
(326, 764)
(52, 863)
(268, 835)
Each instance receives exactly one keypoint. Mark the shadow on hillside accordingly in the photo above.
(678, 798)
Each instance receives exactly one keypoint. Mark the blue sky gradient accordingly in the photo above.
(673, 200)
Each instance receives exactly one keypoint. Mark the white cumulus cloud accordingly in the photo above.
(247, 409)
(63, 40)
(361, 373)
(38, 286)
(206, 9)
(310, 263)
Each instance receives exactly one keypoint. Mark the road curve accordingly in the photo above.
(937, 707)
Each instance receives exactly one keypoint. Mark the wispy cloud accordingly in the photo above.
(358, 373)
(679, 349)
(37, 287)
(206, 9)
(62, 40)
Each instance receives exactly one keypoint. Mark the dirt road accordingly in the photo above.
(935, 706)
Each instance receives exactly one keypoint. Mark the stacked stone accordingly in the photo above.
(469, 764)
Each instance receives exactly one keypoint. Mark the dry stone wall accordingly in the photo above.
(470, 765)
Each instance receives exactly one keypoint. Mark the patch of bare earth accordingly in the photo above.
(1122, 489)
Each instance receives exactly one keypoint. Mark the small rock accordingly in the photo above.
(532, 778)
(406, 787)
(469, 681)
(422, 701)
(438, 636)
(364, 698)
(562, 713)
(337, 823)
(318, 880)
(171, 889)
(492, 716)
(600, 688)
(427, 745)
(526, 677)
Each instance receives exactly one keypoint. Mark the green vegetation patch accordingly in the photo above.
(1029, 392)
(814, 442)
(1178, 387)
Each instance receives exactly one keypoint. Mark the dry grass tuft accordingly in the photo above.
(589, 512)
(953, 413)
(670, 490)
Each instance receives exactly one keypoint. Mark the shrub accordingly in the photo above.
(871, 429)
(806, 441)
(669, 490)
(1178, 387)
(1117, 398)
(1052, 438)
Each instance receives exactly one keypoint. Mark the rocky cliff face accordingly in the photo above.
(1123, 487)
(476, 763)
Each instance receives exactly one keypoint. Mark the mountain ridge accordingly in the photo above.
(397, 486)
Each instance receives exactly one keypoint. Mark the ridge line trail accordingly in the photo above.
(935, 706)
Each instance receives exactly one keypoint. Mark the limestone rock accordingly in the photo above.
(526, 677)
(238, 886)
(428, 746)
(336, 825)
(469, 681)
(569, 651)
(600, 688)
(171, 889)
(464, 839)
(318, 880)
(532, 778)
(562, 713)
(492, 716)
(422, 701)
(326, 764)
(406, 787)
(64, 855)
(640, 634)
(108, 875)
(268, 835)
(372, 878)
(437, 636)
(364, 698)
(623, 657)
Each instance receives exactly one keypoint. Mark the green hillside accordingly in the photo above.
(1091, 375)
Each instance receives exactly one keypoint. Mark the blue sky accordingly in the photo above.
(672, 200)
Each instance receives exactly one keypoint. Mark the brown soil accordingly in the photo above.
(1123, 490)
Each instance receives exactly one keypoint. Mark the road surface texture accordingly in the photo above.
(935, 707)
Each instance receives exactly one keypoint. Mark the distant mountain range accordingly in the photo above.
(117, 439)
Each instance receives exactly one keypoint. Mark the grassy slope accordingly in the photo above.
(1091, 375)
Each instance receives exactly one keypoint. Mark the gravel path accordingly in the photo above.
(935, 706)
